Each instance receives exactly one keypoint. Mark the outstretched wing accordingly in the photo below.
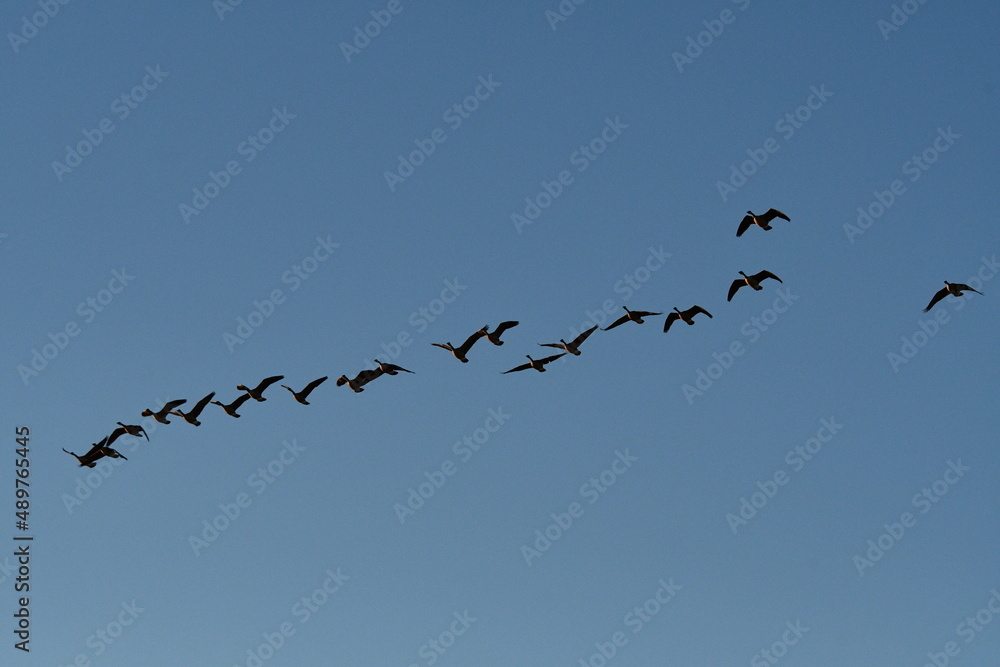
(582, 337)
(200, 405)
(671, 318)
(621, 320)
(744, 225)
(764, 275)
(267, 382)
(366, 376)
(518, 368)
(941, 293)
(547, 360)
(698, 309)
(737, 284)
(467, 345)
(394, 367)
(965, 288)
(442, 346)
(644, 313)
(503, 326)
(117, 433)
(773, 213)
(240, 400)
(173, 404)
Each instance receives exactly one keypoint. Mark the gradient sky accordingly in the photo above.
(294, 133)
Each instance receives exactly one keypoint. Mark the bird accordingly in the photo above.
(167, 408)
(257, 392)
(192, 416)
(572, 347)
(123, 429)
(537, 364)
(955, 289)
(753, 281)
(391, 369)
(686, 315)
(462, 349)
(300, 396)
(633, 315)
(494, 337)
(363, 378)
(763, 221)
(91, 457)
(235, 405)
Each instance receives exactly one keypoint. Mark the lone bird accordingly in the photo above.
(131, 429)
(955, 289)
(257, 392)
(234, 406)
(494, 337)
(537, 364)
(462, 349)
(573, 347)
(391, 369)
(633, 315)
(752, 281)
(192, 417)
(762, 221)
(363, 378)
(686, 315)
(300, 396)
(161, 415)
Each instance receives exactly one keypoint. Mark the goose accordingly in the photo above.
(363, 378)
(633, 315)
(494, 337)
(192, 417)
(955, 289)
(91, 457)
(752, 281)
(167, 408)
(537, 364)
(300, 396)
(763, 221)
(391, 369)
(462, 349)
(235, 405)
(572, 347)
(131, 429)
(257, 392)
(686, 315)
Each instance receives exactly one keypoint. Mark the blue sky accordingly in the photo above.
(197, 198)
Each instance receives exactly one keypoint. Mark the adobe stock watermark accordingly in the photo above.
(898, 17)
(454, 116)
(581, 158)
(303, 610)
(913, 169)
(911, 345)
(122, 107)
(697, 43)
(592, 490)
(259, 481)
(363, 35)
(294, 277)
(464, 450)
(796, 459)
(753, 328)
(924, 501)
(88, 310)
(249, 149)
(31, 25)
(786, 125)
(967, 629)
(419, 321)
(101, 640)
(635, 620)
(223, 7)
(627, 286)
(562, 12)
(779, 649)
(436, 647)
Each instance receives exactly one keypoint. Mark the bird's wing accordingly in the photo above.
(737, 284)
(398, 368)
(467, 345)
(173, 404)
(773, 213)
(518, 368)
(315, 383)
(555, 345)
(583, 336)
(744, 225)
(620, 320)
(117, 433)
(366, 376)
(965, 288)
(552, 358)
(200, 405)
(644, 313)
(671, 318)
(267, 382)
(240, 400)
(503, 326)
(941, 293)
(698, 309)
(442, 346)
(765, 274)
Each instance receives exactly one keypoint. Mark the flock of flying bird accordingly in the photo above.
(103, 448)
